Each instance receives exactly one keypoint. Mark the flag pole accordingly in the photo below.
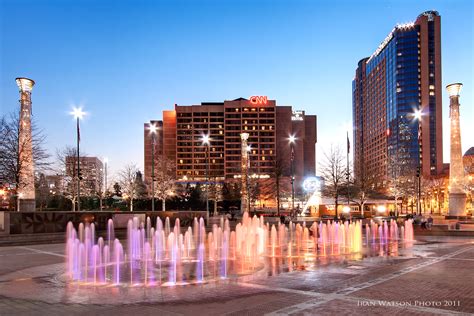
(347, 175)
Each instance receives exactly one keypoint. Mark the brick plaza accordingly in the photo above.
(433, 277)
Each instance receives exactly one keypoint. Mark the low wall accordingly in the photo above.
(55, 222)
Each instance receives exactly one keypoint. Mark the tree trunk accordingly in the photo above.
(100, 203)
(163, 205)
(131, 205)
(362, 208)
(215, 207)
(73, 207)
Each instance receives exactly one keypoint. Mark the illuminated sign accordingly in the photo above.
(297, 116)
(258, 99)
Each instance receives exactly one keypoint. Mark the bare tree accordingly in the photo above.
(215, 193)
(164, 179)
(12, 162)
(129, 185)
(279, 170)
(333, 170)
(67, 169)
(100, 190)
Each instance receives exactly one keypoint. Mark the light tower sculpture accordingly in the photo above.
(457, 196)
(26, 181)
(244, 201)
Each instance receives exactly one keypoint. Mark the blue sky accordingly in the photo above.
(126, 61)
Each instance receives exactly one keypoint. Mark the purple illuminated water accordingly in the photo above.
(167, 256)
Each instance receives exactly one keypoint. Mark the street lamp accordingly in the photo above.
(106, 162)
(206, 141)
(78, 115)
(418, 115)
(292, 140)
(152, 128)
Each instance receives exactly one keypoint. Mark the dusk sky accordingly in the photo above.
(126, 61)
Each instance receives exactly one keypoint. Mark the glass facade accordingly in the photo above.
(398, 80)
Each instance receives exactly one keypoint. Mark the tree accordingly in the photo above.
(68, 172)
(42, 192)
(117, 189)
(254, 191)
(333, 171)
(12, 162)
(141, 187)
(128, 183)
(164, 179)
(215, 193)
(279, 169)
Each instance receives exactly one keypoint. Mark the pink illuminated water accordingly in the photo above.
(167, 256)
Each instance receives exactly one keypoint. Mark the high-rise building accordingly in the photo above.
(91, 171)
(397, 103)
(179, 138)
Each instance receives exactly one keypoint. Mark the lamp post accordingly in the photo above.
(78, 115)
(292, 140)
(247, 179)
(206, 142)
(106, 162)
(419, 171)
(152, 127)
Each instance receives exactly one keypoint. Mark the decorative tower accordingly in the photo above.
(457, 197)
(26, 183)
(244, 201)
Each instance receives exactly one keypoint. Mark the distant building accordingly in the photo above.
(179, 138)
(468, 161)
(401, 77)
(55, 183)
(91, 171)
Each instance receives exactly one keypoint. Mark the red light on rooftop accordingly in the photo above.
(256, 99)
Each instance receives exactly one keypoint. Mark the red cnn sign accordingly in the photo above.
(258, 99)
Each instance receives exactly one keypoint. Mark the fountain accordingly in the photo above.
(161, 256)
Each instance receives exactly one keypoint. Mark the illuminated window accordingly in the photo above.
(263, 128)
(263, 157)
(181, 161)
(221, 132)
(432, 93)
(245, 128)
(432, 87)
(253, 127)
(236, 110)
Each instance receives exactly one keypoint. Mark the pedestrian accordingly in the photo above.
(423, 223)
(430, 222)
